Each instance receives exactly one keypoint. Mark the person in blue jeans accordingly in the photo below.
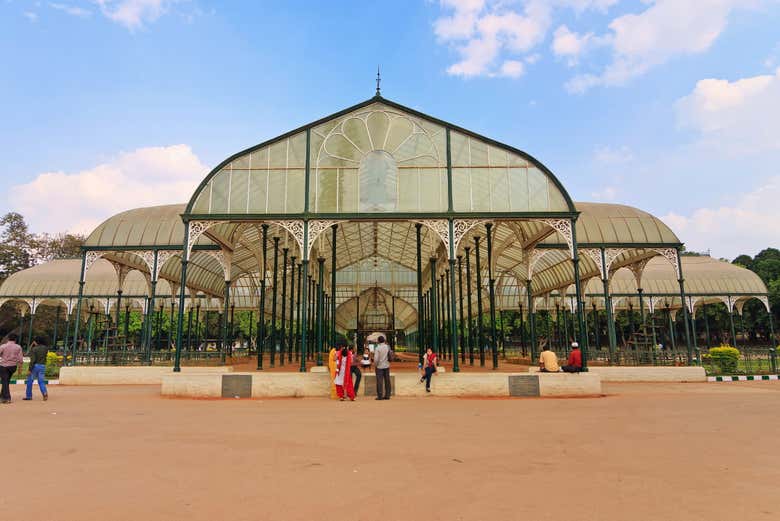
(37, 354)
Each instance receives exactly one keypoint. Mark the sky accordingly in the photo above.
(671, 106)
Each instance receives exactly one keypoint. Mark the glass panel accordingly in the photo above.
(461, 190)
(326, 190)
(276, 189)
(499, 186)
(378, 174)
(296, 190)
(348, 190)
(219, 192)
(238, 191)
(518, 187)
(258, 180)
(537, 190)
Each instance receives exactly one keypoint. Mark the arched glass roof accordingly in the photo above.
(379, 158)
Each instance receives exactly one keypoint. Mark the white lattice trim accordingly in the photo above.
(563, 227)
(534, 256)
(295, 228)
(728, 301)
(669, 254)
(594, 254)
(316, 228)
(638, 268)
(461, 227)
(89, 259)
(765, 300)
(690, 303)
(33, 303)
(442, 228)
(224, 258)
(195, 229)
(615, 302)
(652, 301)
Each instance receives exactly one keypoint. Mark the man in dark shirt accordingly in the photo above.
(574, 364)
(37, 354)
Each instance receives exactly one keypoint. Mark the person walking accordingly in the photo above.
(332, 355)
(430, 362)
(357, 374)
(343, 378)
(37, 367)
(10, 360)
(382, 370)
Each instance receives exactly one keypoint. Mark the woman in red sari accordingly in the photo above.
(343, 378)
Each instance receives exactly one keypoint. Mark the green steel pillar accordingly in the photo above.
(320, 307)
(197, 326)
(531, 319)
(152, 298)
(189, 328)
(298, 314)
(461, 320)
(33, 309)
(671, 328)
(90, 327)
(523, 346)
(707, 325)
(261, 312)
(170, 327)
(686, 319)
(492, 286)
(434, 310)
(608, 309)
(274, 301)
(420, 315)
(283, 325)
(452, 311)
(470, 337)
(641, 306)
(118, 311)
(596, 329)
(578, 291)
(480, 337)
(334, 228)
(291, 337)
(78, 310)
(56, 325)
(304, 311)
(182, 297)
(693, 328)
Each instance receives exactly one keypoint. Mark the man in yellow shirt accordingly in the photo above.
(548, 361)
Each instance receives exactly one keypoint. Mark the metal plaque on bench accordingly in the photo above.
(236, 385)
(524, 385)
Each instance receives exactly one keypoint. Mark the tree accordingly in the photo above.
(59, 246)
(17, 245)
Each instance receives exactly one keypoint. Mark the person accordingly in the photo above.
(382, 369)
(343, 378)
(355, 370)
(332, 354)
(574, 363)
(366, 361)
(430, 362)
(11, 359)
(548, 361)
(37, 367)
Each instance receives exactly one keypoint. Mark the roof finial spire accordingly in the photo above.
(378, 81)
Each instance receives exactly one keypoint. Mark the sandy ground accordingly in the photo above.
(644, 452)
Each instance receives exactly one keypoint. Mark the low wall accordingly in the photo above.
(645, 374)
(130, 375)
(295, 385)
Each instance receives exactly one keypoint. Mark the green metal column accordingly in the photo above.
(731, 322)
(480, 338)
(441, 316)
(707, 325)
(32, 318)
(182, 296)
(334, 228)
(261, 325)
(578, 291)
(78, 311)
(451, 296)
(671, 328)
(274, 301)
(320, 307)
(283, 326)
(492, 295)
(447, 308)
(681, 281)
(461, 318)
(56, 325)
(596, 329)
(298, 344)
(118, 311)
(291, 337)
(531, 320)
(420, 315)
(523, 346)
(170, 328)
(470, 338)
(189, 328)
(434, 310)
(693, 328)
(304, 310)
(608, 308)
(225, 321)
(150, 311)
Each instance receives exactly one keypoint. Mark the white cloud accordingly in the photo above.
(488, 34)
(134, 14)
(663, 31)
(570, 45)
(607, 194)
(71, 9)
(33, 17)
(747, 225)
(512, 68)
(607, 155)
(741, 116)
(77, 202)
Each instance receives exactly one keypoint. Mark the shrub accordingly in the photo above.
(726, 357)
(53, 364)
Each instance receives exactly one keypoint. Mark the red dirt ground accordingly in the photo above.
(644, 452)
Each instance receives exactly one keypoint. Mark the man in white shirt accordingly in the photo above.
(382, 370)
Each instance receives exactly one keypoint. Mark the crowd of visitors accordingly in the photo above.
(12, 360)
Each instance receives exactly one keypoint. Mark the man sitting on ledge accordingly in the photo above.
(574, 364)
(548, 361)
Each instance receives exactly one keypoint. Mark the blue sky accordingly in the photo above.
(672, 106)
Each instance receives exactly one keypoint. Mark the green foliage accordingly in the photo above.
(53, 364)
(726, 357)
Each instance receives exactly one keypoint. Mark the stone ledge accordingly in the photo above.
(296, 385)
(133, 375)
(644, 374)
